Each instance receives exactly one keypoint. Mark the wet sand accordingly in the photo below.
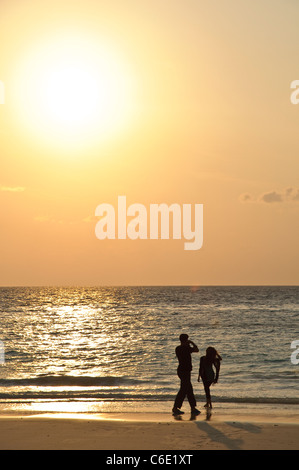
(147, 431)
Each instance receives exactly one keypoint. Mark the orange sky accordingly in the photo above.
(207, 119)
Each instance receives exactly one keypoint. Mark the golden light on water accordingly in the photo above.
(72, 90)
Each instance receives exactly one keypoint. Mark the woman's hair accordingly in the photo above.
(212, 355)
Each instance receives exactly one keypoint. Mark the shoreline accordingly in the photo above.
(144, 430)
(221, 410)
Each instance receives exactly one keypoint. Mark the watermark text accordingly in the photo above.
(136, 222)
(2, 93)
(295, 354)
(295, 94)
(2, 353)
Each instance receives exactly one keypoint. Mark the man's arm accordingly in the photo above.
(194, 348)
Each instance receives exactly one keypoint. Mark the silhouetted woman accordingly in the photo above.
(206, 371)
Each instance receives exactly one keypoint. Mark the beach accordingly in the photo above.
(149, 249)
(148, 431)
(92, 368)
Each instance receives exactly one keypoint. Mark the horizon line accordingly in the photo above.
(148, 285)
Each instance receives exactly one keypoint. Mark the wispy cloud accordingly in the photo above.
(48, 219)
(288, 195)
(90, 218)
(12, 189)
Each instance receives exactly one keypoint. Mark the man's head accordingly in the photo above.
(183, 338)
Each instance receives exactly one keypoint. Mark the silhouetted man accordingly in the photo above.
(183, 353)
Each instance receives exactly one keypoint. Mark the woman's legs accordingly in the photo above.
(208, 394)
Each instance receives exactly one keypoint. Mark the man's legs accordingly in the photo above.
(186, 389)
(190, 394)
(182, 391)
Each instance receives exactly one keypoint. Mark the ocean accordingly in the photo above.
(97, 349)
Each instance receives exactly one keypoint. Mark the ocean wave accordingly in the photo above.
(70, 381)
(125, 396)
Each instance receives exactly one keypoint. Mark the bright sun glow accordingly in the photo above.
(71, 92)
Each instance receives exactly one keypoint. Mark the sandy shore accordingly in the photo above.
(146, 431)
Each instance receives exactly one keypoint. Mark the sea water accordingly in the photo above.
(113, 348)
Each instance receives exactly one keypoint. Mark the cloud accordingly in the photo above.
(48, 219)
(246, 198)
(273, 196)
(289, 195)
(12, 189)
(90, 218)
(42, 218)
(296, 196)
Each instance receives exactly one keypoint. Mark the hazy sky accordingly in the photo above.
(195, 109)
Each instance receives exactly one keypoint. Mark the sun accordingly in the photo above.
(70, 91)
(70, 96)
